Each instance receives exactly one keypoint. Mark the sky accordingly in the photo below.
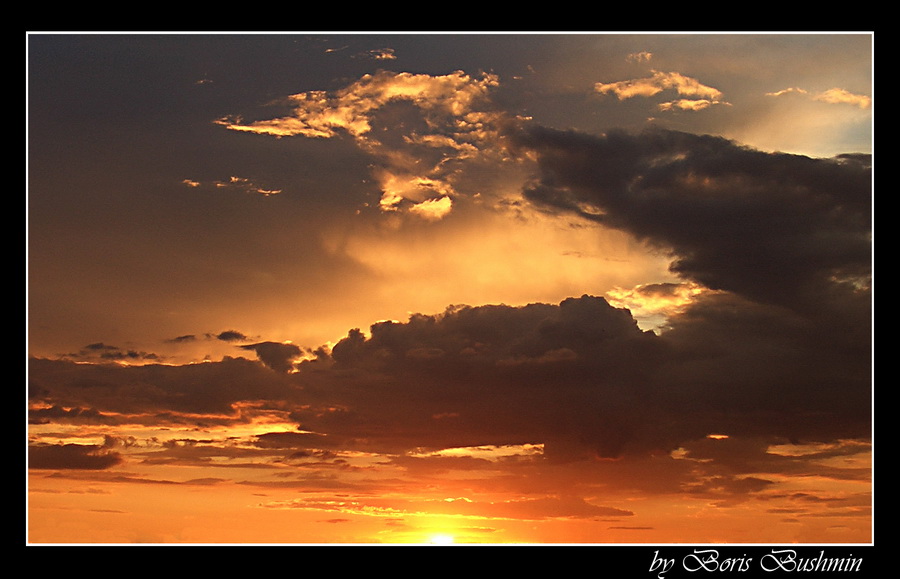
(417, 288)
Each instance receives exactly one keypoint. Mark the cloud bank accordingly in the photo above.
(770, 336)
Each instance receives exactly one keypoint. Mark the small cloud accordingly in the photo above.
(841, 96)
(99, 346)
(834, 96)
(699, 96)
(182, 339)
(238, 183)
(786, 91)
(275, 355)
(378, 54)
(660, 81)
(642, 56)
(432, 209)
(686, 105)
(230, 336)
(105, 352)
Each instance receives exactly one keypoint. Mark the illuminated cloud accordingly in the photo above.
(320, 114)
(432, 209)
(642, 56)
(830, 96)
(703, 95)
(418, 149)
(687, 105)
(653, 304)
(786, 91)
(379, 54)
(241, 184)
(841, 96)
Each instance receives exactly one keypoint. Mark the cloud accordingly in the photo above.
(783, 240)
(419, 127)
(841, 96)
(432, 209)
(687, 105)
(830, 96)
(71, 456)
(241, 184)
(652, 304)
(101, 352)
(59, 414)
(231, 336)
(642, 56)
(787, 91)
(767, 335)
(579, 378)
(156, 393)
(701, 96)
(782, 229)
(378, 54)
(275, 355)
(320, 114)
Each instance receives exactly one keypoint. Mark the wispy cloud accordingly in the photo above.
(830, 96)
(700, 96)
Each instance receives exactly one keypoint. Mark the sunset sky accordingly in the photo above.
(472, 288)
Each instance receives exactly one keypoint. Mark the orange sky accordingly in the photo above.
(429, 288)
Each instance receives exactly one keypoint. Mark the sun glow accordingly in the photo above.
(441, 539)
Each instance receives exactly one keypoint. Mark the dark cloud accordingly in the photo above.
(71, 456)
(288, 440)
(162, 390)
(99, 351)
(659, 289)
(181, 339)
(231, 336)
(580, 371)
(126, 355)
(99, 347)
(59, 414)
(579, 377)
(777, 228)
(275, 355)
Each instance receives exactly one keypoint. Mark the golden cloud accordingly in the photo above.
(841, 96)
(658, 82)
(450, 121)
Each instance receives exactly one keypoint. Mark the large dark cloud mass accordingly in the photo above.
(780, 349)
(776, 228)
